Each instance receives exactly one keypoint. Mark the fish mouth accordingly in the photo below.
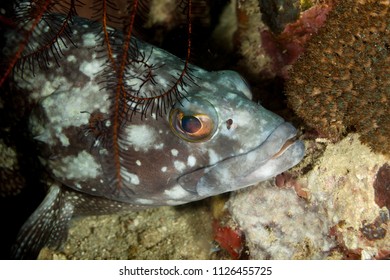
(279, 152)
(285, 146)
(290, 154)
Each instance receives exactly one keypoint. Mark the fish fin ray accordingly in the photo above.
(47, 226)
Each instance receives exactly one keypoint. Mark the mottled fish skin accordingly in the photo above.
(247, 143)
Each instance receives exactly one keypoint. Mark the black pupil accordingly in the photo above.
(190, 124)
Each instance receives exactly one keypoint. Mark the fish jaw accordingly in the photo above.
(274, 156)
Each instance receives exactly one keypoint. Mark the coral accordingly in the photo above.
(342, 81)
(342, 182)
(339, 218)
(280, 225)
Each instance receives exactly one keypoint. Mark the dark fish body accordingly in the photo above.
(107, 152)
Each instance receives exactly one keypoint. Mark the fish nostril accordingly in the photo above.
(229, 123)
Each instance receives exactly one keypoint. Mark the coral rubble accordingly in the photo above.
(342, 82)
(165, 233)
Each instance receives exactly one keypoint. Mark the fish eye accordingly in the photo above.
(193, 120)
(193, 128)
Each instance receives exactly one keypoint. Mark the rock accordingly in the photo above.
(339, 219)
(163, 233)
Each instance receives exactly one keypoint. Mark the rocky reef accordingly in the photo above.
(338, 210)
(165, 233)
(334, 205)
(337, 198)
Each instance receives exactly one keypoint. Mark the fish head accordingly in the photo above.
(228, 142)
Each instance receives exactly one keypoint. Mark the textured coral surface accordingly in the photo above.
(342, 82)
(339, 216)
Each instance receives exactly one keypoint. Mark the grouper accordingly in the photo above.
(126, 131)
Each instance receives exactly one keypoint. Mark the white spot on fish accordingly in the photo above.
(159, 146)
(103, 152)
(144, 201)
(191, 161)
(71, 58)
(64, 140)
(90, 68)
(162, 82)
(73, 102)
(141, 137)
(138, 162)
(174, 152)
(164, 169)
(89, 40)
(176, 192)
(82, 166)
(174, 202)
(209, 87)
(129, 177)
(179, 165)
(213, 157)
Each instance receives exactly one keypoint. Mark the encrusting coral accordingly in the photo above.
(342, 82)
(337, 210)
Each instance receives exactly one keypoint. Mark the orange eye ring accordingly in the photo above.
(192, 128)
(193, 120)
